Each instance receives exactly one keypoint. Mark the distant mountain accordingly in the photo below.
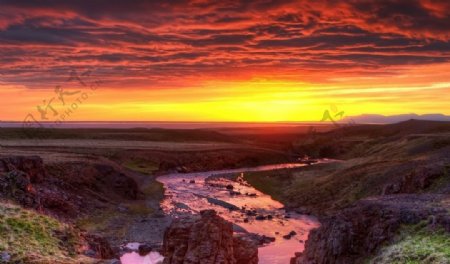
(382, 119)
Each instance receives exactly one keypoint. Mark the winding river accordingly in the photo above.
(189, 193)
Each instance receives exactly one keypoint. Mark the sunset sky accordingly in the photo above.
(222, 60)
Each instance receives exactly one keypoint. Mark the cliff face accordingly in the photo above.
(32, 166)
(356, 233)
(17, 174)
(207, 240)
(420, 177)
(417, 192)
(100, 178)
(388, 181)
(66, 189)
(25, 181)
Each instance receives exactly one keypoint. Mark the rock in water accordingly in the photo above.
(144, 249)
(218, 202)
(207, 239)
(260, 217)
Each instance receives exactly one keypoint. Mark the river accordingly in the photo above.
(189, 193)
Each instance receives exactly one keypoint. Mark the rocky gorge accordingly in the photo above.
(68, 192)
(357, 233)
(386, 200)
(25, 181)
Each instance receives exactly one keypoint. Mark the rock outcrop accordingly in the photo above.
(355, 233)
(26, 181)
(32, 166)
(207, 239)
(418, 176)
(101, 178)
(17, 174)
(99, 246)
(245, 250)
(66, 189)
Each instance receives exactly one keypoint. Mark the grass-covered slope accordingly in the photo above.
(389, 178)
(411, 164)
(416, 246)
(29, 237)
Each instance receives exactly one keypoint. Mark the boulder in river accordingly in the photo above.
(234, 193)
(218, 202)
(251, 213)
(258, 239)
(260, 217)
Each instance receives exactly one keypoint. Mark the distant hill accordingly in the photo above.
(351, 141)
(408, 127)
(381, 119)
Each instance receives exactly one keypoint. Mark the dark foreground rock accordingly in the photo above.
(99, 246)
(356, 233)
(17, 174)
(144, 249)
(207, 239)
(32, 166)
(245, 250)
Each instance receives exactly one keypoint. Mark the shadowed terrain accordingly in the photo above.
(100, 183)
(388, 179)
(385, 194)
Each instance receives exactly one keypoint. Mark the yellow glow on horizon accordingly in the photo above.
(256, 100)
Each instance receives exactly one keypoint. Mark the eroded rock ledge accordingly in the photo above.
(356, 233)
(64, 194)
(207, 239)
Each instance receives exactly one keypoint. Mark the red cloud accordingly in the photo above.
(158, 43)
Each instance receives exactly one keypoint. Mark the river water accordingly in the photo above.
(189, 193)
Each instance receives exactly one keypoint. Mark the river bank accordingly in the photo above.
(280, 233)
(114, 196)
(389, 193)
(106, 186)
